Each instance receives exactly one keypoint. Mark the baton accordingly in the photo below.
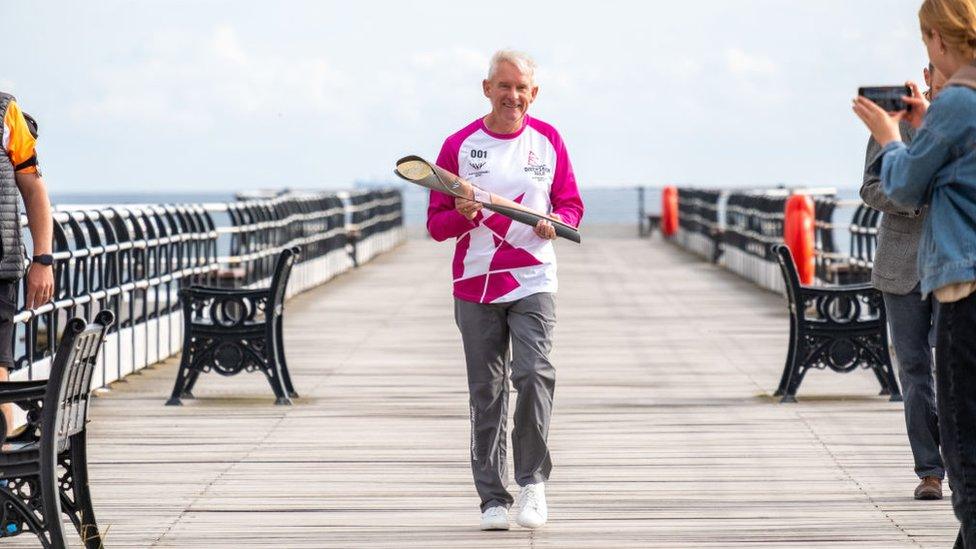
(420, 172)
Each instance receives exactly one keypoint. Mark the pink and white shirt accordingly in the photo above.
(497, 260)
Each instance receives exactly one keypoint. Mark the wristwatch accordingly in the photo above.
(43, 259)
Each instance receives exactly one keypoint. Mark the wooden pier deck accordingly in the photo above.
(664, 432)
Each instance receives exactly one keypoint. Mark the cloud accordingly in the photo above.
(191, 83)
(406, 87)
(227, 46)
(742, 63)
(458, 59)
(204, 80)
(339, 88)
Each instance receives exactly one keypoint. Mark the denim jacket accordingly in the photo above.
(938, 169)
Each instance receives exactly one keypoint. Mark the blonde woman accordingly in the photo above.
(938, 169)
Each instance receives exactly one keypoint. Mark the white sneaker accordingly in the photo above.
(494, 518)
(531, 503)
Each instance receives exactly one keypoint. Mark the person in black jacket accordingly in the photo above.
(911, 319)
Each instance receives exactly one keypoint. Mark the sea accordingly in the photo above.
(616, 205)
(604, 205)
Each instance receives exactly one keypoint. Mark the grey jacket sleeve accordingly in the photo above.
(871, 189)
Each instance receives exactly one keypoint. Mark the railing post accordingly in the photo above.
(641, 213)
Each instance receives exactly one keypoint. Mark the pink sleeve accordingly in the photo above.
(443, 221)
(564, 194)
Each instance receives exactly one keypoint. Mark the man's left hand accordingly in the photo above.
(545, 230)
(40, 285)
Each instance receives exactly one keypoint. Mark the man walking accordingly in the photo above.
(505, 283)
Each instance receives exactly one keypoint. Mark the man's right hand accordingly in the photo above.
(40, 285)
(919, 104)
(467, 208)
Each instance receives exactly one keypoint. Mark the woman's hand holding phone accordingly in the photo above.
(884, 125)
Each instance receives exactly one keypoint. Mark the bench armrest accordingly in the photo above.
(841, 287)
(836, 289)
(19, 391)
(27, 395)
(207, 292)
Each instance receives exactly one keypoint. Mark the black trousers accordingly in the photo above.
(911, 321)
(8, 308)
(955, 364)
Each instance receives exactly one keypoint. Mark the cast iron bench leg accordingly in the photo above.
(51, 502)
(280, 352)
(85, 523)
(790, 356)
(273, 373)
(181, 378)
(796, 377)
(191, 382)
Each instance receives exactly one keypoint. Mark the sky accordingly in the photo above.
(213, 95)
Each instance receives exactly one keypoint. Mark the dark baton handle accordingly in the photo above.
(562, 229)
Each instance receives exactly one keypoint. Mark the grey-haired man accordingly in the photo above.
(505, 284)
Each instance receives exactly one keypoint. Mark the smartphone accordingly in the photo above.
(887, 97)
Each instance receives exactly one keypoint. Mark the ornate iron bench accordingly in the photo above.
(229, 331)
(841, 327)
(45, 468)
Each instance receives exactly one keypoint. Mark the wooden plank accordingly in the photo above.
(664, 433)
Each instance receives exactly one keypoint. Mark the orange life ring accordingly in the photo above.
(669, 211)
(798, 234)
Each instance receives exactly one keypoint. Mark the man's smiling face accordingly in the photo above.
(510, 92)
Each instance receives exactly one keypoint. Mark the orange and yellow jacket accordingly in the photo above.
(17, 138)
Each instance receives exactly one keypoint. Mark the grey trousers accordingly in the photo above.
(912, 323)
(486, 330)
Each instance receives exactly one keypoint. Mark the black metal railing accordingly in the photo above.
(742, 226)
(698, 210)
(754, 221)
(134, 259)
(700, 214)
(864, 240)
(373, 214)
(825, 247)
